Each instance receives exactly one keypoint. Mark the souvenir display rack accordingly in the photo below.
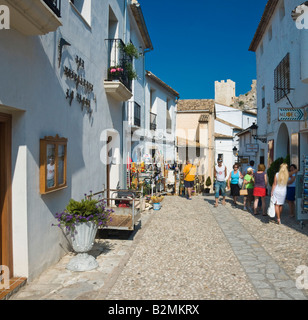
(305, 189)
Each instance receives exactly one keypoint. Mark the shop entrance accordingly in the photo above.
(6, 256)
(283, 142)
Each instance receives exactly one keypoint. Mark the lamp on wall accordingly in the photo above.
(235, 152)
(254, 133)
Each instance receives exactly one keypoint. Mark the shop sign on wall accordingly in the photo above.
(82, 92)
(292, 114)
(83, 87)
(252, 147)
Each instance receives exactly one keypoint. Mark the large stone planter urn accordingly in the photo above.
(82, 240)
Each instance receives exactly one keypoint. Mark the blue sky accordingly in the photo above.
(197, 42)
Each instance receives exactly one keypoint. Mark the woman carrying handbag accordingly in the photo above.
(279, 189)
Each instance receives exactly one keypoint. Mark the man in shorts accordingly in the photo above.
(220, 174)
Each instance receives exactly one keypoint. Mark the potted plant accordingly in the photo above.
(156, 200)
(81, 219)
(208, 183)
(115, 72)
(130, 50)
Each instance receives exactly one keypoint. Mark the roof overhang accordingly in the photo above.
(138, 15)
(266, 17)
(162, 84)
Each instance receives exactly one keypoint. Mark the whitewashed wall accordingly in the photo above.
(33, 89)
(286, 38)
(160, 96)
(235, 118)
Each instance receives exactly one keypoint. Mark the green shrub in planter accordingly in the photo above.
(274, 168)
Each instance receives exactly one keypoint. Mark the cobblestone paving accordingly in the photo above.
(267, 276)
(287, 243)
(187, 250)
(183, 255)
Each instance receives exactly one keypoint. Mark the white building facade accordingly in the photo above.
(157, 143)
(282, 82)
(228, 123)
(55, 88)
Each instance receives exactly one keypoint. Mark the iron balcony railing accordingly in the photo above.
(134, 114)
(55, 6)
(118, 62)
(153, 117)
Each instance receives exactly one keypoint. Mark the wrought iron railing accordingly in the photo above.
(55, 6)
(153, 124)
(118, 62)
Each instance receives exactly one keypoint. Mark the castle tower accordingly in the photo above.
(225, 92)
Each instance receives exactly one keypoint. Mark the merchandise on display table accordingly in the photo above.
(305, 191)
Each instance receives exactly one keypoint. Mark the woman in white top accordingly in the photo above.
(279, 189)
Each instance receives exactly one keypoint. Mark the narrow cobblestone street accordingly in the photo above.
(188, 250)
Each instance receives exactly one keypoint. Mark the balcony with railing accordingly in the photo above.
(153, 118)
(134, 114)
(34, 17)
(118, 83)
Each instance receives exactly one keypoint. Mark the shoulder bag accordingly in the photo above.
(243, 191)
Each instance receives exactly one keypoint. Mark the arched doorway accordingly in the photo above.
(283, 142)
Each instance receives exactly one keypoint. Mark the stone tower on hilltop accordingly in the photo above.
(225, 94)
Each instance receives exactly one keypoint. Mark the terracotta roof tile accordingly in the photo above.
(196, 105)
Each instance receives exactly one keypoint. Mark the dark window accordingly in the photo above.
(55, 6)
(282, 78)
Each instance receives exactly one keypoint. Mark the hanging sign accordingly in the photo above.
(292, 114)
(252, 147)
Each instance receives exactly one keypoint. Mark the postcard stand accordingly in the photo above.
(304, 212)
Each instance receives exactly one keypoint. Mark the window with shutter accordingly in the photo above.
(282, 78)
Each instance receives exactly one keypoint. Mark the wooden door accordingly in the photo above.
(6, 256)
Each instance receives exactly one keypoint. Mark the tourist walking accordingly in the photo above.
(249, 185)
(259, 191)
(279, 189)
(233, 183)
(189, 172)
(220, 174)
(251, 166)
(291, 189)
